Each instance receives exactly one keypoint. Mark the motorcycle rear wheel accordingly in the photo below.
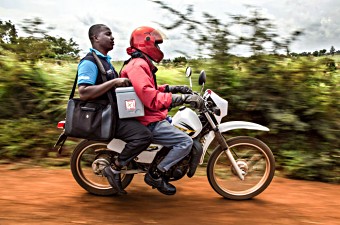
(253, 157)
(85, 153)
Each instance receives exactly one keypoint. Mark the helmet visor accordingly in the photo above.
(158, 37)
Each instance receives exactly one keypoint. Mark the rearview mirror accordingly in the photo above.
(202, 78)
(188, 72)
(188, 75)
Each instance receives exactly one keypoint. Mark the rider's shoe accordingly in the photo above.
(113, 176)
(162, 186)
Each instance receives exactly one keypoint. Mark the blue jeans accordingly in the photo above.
(179, 143)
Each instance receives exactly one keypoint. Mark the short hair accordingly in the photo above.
(94, 30)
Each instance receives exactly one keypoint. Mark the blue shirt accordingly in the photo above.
(88, 70)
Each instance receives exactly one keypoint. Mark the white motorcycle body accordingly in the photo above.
(188, 121)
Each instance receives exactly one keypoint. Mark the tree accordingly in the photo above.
(8, 33)
(332, 50)
(180, 59)
(38, 44)
(35, 27)
(215, 37)
(262, 32)
(61, 47)
(322, 52)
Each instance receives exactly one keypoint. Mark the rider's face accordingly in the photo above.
(105, 39)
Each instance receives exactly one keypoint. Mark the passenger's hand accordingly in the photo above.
(179, 89)
(122, 82)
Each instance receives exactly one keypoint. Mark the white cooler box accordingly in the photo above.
(129, 105)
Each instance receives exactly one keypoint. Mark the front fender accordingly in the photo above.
(227, 126)
(233, 125)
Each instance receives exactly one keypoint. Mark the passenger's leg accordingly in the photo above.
(137, 138)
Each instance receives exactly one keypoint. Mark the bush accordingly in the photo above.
(25, 138)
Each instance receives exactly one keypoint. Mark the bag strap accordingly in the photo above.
(99, 64)
(125, 63)
(74, 86)
(102, 72)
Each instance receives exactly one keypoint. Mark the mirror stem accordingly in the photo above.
(202, 89)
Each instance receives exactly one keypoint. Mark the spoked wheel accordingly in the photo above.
(255, 160)
(88, 160)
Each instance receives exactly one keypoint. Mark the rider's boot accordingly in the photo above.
(156, 179)
(113, 176)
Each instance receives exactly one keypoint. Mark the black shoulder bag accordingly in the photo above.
(94, 119)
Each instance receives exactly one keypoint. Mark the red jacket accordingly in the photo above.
(156, 102)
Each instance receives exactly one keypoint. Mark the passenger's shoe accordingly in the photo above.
(113, 176)
(161, 185)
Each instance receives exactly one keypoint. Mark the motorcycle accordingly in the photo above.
(238, 168)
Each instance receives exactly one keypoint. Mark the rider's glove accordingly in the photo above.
(176, 100)
(178, 89)
(121, 82)
(195, 101)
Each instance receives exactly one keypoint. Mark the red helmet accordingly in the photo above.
(146, 39)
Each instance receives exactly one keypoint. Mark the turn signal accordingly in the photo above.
(61, 124)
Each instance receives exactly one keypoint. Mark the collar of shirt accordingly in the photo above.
(106, 57)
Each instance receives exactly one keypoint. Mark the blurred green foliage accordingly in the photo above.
(298, 99)
(33, 100)
(38, 44)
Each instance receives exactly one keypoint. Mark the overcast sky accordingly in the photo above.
(320, 19)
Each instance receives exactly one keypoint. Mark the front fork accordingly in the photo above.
(225, 147)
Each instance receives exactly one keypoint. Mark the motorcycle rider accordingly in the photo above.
(91, 86)
(141, 71)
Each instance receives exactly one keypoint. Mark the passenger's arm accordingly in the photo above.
(89, 92)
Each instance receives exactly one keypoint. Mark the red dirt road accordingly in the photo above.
(51, 196)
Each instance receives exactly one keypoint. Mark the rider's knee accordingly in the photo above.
(190, 141)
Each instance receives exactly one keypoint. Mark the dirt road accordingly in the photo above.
(51, 196)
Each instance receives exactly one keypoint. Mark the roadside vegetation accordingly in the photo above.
(295, 95)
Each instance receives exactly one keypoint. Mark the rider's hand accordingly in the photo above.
(195, 101)
(121, 82)
(176, 100)
(178, 89)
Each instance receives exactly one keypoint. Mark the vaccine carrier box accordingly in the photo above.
(129, 105)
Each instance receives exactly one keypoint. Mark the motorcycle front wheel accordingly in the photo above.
(87, 161)
(253, 157)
